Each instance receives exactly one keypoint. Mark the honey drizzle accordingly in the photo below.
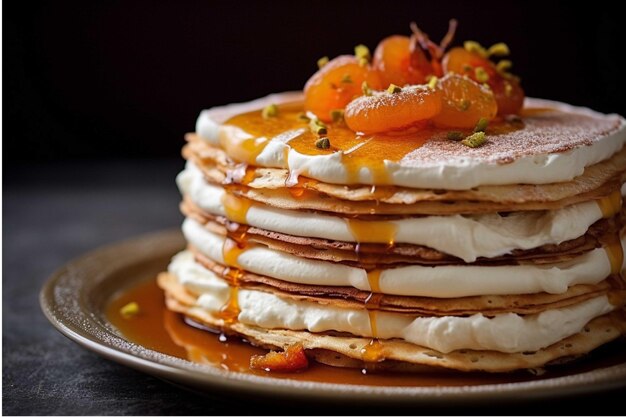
(611, 204)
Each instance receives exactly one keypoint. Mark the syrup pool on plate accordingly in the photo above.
(159, 329)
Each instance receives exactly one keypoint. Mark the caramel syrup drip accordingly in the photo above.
(365, 231)
(373, 278)
(236, 208)
(374, 350)
(234, 245)
(615, 253)
(246, 136)
(611, 204)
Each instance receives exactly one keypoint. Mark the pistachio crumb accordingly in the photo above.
(473, 46)
(317, 126)
(475, 140)
(129, 310)
(481, 75)
(455, 135)
(467, 68)
(346, 79)
(322, 61)
(482, 124)
(362, 52)
(365, 88)
(393, 89)
(303, 117)
(270, 111)
(503, 66)
(432, 82)
(498, 49)
(322, 143)
(336, 115)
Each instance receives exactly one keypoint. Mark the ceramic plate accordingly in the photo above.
(74, 301)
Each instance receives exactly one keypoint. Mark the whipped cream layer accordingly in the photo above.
(457, 172)
(445, 281)
(504, 332)
(467, 237)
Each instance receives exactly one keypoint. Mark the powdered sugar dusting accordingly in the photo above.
(549, 128)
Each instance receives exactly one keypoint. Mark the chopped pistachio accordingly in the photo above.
(503, 66)
(482, 124)
(365, 88)
(362, 52)
(475, 140)
(481, 75)
(346, 79)
(336, 115)
(432, 82)
(499, 49)
(129, 310)
(467, 68)
(393, 89)
(322, 143)
(455, 135)
(270, 111)
(303, 117)
(473, 46)
(508, 89)
(322, 61)
(318, 127)
(464, 104)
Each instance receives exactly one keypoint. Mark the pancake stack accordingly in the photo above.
(408, 252)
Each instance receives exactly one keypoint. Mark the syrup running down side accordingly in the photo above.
(159, 329)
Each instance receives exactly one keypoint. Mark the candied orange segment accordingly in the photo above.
(507, 91)
(395, 63)
(464, 102)
(292, 359)
(335, 85)
(387, 111)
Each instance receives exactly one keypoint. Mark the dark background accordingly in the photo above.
(97, 97)
(128, 78)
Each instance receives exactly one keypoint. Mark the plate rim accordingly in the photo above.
(209, 377)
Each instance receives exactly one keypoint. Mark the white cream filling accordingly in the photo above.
(467, 237)
(504, 333)
(454, 174)
(448, 281)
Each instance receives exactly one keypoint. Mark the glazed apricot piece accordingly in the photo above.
(507, 91)
(335, 85)
(396, 64)
(386, 111)
(464, 102)
(509, 95)
(292, 359)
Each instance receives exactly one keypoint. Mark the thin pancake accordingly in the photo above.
(377, 254)
(399, 355)
(350, 297)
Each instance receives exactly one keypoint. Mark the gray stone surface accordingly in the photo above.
(52, 214)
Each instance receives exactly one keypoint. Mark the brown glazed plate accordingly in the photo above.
(75, 297)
